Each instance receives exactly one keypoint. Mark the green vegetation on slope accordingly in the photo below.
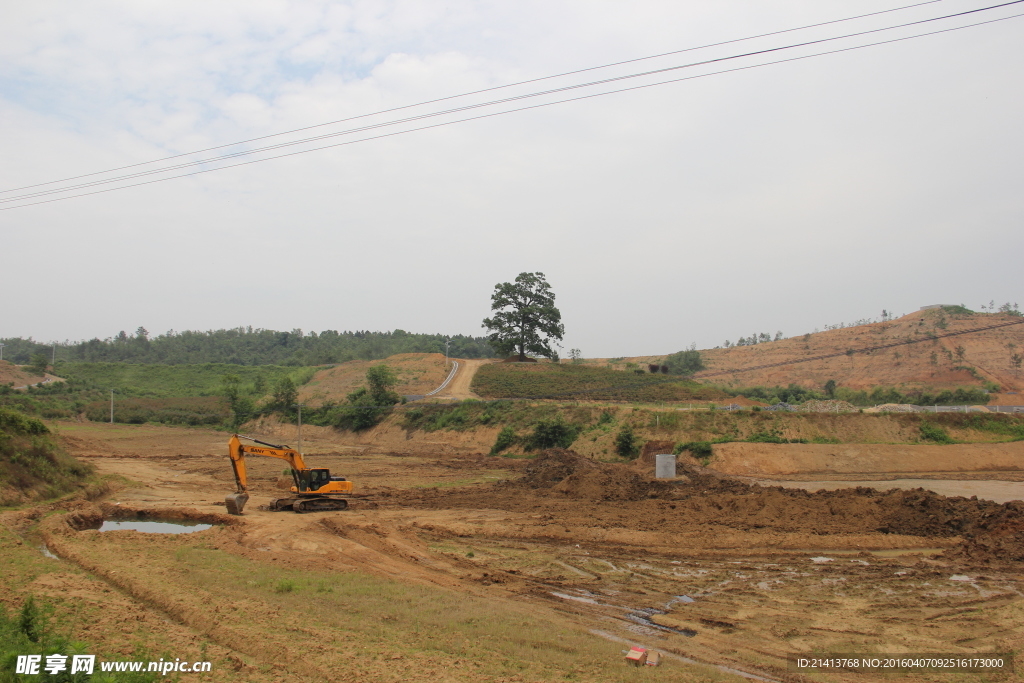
(32, 465)
(177, 381)
(584, 382)
(208, 394)
(246, 346)
(879, 395)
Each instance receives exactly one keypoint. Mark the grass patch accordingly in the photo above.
(547, 380)
(176, 381)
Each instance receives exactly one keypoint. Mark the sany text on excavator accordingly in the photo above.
(315, 489)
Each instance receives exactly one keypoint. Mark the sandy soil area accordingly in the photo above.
(765, 571)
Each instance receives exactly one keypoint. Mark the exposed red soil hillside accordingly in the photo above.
(932, 364)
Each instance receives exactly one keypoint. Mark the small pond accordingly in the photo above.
(150, 526)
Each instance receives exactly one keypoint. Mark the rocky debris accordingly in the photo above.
(896, 408)
(782, 405)
(831, 406)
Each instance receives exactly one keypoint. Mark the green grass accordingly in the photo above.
(583, 382)
(174, 381)
(200, 410)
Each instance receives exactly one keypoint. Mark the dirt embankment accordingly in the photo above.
(991, 532)
(763, 459)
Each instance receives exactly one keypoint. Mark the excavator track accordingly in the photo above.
(320, 504)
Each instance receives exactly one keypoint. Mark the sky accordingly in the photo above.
(783, 197)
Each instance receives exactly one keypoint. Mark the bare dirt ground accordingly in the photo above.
(708, 569)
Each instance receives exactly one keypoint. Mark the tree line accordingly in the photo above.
(245, 346)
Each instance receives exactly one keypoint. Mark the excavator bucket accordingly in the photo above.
(235, 502)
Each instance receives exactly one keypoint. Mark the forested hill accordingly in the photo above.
(246, 346)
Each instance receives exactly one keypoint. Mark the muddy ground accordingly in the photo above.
(711, 570)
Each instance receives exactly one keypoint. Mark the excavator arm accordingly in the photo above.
(237, 452)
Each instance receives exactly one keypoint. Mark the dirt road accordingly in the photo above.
(459, 387)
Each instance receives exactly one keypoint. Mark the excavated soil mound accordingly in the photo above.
(992, 532)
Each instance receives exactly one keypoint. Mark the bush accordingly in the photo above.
(553, 433)
(18, 424)
(933, 432)
(684, 362)
(701, 450)
(506, 439)
(627, 444)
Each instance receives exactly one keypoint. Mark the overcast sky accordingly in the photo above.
(785, 198)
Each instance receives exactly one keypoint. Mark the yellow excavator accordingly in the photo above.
(314, 490)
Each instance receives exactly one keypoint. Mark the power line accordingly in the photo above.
(477, 92)
(481, 105)
(509, 111)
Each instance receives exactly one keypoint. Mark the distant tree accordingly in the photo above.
(576, 356)
(830, 388)
(368, 405)
(525, 318)
(1015, 360)
(285, 395)
(960, 353)
(39, 363)
(381, 380)
(778, 336)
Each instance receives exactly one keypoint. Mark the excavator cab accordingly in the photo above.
(313, 479)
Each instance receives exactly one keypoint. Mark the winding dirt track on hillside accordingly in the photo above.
(459, 386)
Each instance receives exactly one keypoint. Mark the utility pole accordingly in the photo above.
(111, 406)
(2, 351)
(299, 406)
(53, 357)
(446, 343)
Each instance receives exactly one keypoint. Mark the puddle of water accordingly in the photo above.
(152, 527)
(577, 598)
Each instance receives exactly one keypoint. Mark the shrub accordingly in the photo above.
(506, 438)
(284, 586)
(627, 444)
(685, 362)
(933, 432)
(554, 433)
